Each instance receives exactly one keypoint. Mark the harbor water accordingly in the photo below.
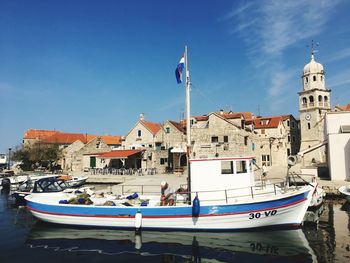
(324, 237)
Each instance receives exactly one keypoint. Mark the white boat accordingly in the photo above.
(74, 181)
(281, 244)
(345, 190)
(222, 195)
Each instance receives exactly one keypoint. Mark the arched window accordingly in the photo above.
(304, 100)
(311, 100)
(325, 99)
(321, 78)
(314, 78)
(320, 98)
(306, 79)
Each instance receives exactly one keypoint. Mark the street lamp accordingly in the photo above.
(8, 167)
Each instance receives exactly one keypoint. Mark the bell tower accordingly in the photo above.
(314, 102)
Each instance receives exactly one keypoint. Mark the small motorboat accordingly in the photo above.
(73, 181)
(44, 185)
(345, 190)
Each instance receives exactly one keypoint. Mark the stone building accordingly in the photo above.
(74, 145)
(221, 134)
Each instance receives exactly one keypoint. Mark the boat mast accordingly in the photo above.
(188, 123)
(188, 114)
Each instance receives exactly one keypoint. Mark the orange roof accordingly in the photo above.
(152, 126)
(67, 138)
(267, 122)
(201, 118)
(38, 134)
(119, 154)
(178, 125)
(231, 115)
(49, 136)
(112, 140)
(344, 108)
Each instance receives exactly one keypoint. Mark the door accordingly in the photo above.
(92, 161)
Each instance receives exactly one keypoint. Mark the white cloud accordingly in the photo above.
(339, 79)
(270, 27)
(339, 55)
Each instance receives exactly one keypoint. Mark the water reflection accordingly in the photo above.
(330, 238)
(281, 245)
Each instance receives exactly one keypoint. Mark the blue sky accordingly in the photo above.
(94, 66)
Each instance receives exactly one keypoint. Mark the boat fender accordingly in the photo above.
(133, 196)
(195, 206)
(138, 220)
(81, 200)
(63, 202)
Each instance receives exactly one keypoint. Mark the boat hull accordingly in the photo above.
(288, 210)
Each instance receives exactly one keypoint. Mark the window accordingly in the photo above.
(311, 98)
(225, 138)
(139, 133)
(150, 145)
(288, 137)
(288, 123)
(158, 146)
(241, 167)
(293, 124)
(242, 124)
(163, 161)
(288, 152)
(245, 140)
(306, 79)
(304, 100)
(308, 126)
(167, 130)
(214, 139)
(321, 78)
(265, 158)
(320, 98)
(314, 78)
(226, 167)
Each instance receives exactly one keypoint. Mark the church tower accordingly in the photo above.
(314, 102)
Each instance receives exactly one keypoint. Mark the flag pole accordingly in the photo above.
(188, 122)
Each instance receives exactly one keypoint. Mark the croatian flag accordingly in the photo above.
(179, 68)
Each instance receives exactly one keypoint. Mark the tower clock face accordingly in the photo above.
(308, 117)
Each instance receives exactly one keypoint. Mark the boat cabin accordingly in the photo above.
(221, 179)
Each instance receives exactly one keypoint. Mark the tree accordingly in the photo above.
(37, 155)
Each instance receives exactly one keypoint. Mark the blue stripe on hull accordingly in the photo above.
(174, 211)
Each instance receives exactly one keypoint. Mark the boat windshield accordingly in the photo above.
(47, 185)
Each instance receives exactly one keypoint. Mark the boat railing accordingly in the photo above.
(225, 196)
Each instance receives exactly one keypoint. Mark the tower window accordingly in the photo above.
(325, 98)
(306, 79)
(311, 98)
(314, 78)
(320, 98)
(321, 78)
(308, 126)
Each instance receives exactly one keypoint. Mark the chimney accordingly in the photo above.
(142, 116)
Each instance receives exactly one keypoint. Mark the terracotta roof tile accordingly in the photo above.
(178, 125)
(66, 138)
(58, 137)
(267, 122)
(152, 126)
(119, 154)
(201, 118)
(112, 140)
(38, 134)
(344, 108)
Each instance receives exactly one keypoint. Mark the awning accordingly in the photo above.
(301, 153)
(177, 150)
(119, 154)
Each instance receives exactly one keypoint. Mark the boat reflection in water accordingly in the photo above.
(280, 245)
